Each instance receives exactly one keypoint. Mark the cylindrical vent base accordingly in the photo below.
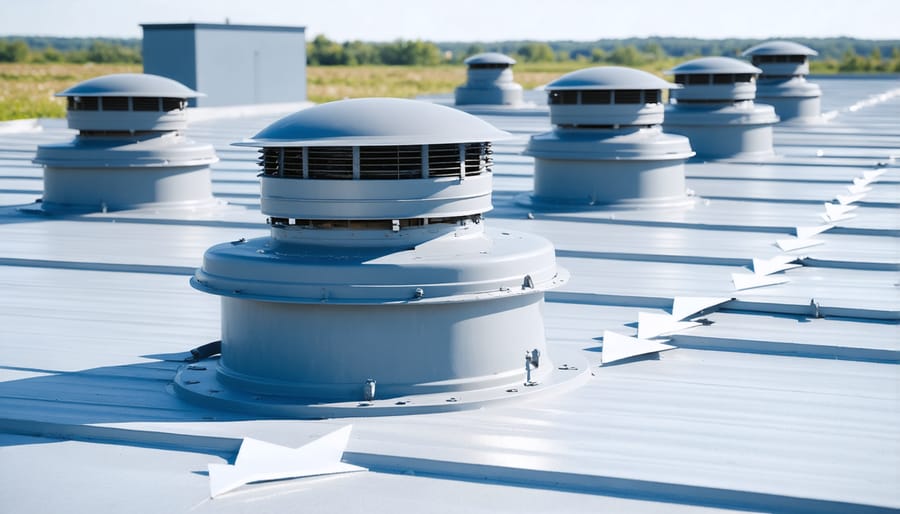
(796, 109)
(328, 351)
(616, 183)
(98, 189)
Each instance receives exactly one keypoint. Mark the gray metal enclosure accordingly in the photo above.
(232, 64)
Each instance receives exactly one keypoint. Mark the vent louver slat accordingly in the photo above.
(330, 163)
(390, 162)
(144, 103)
(173, 104)
(376, 162)
(628, 96)
(114, 103)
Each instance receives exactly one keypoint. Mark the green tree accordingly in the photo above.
(598, 55)
(325, 52)
(14, 51)
(626, 56)
(357, 52)
(414, 53)
(536, 52)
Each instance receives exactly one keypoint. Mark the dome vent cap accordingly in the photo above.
(607, 97)
(609, 77)
(489, 58)
(131, 85)
(715, 79)
(375, 122)
(779, 48)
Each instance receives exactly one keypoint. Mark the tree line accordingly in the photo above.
(835, 54)
(73, 50)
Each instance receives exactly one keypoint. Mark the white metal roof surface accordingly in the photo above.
(763, 408)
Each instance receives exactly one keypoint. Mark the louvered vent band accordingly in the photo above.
(377, 162)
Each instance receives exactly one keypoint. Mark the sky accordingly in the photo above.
(469, 20)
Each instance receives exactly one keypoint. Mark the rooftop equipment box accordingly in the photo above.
(231, 64)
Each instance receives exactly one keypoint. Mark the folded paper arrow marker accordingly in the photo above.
(617, 347)
(652, 325)
(750, 281)
(686, 306)
(259, 461)
(775, 264)
(807, 232)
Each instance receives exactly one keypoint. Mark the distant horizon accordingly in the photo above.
(470, 20)
(310, 38)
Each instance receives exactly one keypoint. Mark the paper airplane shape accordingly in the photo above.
(872, 175)
(848, 199)
(858, 189)
(836, 212)
(774, 265)
(617, 347)
(258, 461)
(686, 306)
(807, 232)
(788, 245)
(652, 325)
(750, 280)
(827, 218)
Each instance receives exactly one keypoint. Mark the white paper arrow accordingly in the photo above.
(259, 461)
(872, 175)
(652, 325)
(686, 306)
(789, 245)
(858, 189)
(807, 232)
(848, 199)
(835, 219)
(862, 181)
(750, 280)
(774, 265)
(617, 347)
(835, 210)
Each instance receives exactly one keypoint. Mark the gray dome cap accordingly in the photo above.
(131, 84)
(713, 65)
(609, 77)
(779, 48)
(375, 122)
(490, 58)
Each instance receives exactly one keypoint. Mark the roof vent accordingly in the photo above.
(783, 84)
(129, 152)
(715, 109)
(607, 147)
(379, 268)
(490, 81)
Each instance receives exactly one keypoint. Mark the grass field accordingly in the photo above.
(26, 90)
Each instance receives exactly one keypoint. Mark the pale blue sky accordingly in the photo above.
(470, 20)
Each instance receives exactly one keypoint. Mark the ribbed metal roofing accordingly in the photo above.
(609, 77)
(708, 65)
(490, 58)
(779, 48)
(375, 122)
(131, 84)
(782, 400)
